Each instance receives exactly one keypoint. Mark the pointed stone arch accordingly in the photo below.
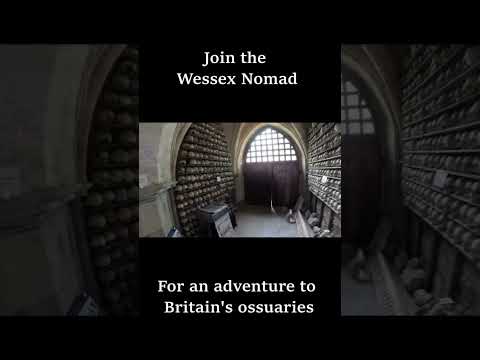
(370, 71)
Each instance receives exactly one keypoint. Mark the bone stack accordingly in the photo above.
(324, 174)
(112, 201)
(441, 142)
(204, 174)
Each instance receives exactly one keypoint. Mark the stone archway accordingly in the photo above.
(368, 69)
(275, 180)
(98, 64)
(244, 135)
(108, 160)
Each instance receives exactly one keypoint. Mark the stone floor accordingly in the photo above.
(359, 299)
(258, 221)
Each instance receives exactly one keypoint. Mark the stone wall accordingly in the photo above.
(41, 270)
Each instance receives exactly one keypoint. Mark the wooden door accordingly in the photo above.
(275, 181)
(285, 183)
(258, 183)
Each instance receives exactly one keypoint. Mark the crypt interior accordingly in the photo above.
(398, 178)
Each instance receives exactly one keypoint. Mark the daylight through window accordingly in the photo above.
(356, 116)
(270, 146)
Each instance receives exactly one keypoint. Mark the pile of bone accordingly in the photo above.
(413, 277)
(314, 221)
(431, 306)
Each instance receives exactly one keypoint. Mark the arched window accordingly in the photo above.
(356, 116)
(270, 146)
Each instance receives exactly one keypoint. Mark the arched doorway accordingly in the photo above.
(373, 77)
(271, 169)
(362, 186)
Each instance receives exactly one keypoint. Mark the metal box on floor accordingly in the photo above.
(216, 220)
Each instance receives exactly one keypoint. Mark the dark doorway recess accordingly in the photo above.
(271, 170)
(361, 170)
(276, 182)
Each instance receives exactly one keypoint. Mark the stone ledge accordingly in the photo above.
(150, 192)
(31, 208)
